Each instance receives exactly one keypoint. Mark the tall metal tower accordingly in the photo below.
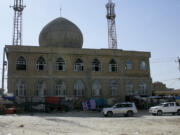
(17, 32)
(112, 39)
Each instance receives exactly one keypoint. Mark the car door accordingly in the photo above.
(118, 108)
(166, 107)
(172, 107)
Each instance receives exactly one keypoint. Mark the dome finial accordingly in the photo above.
(60, 9)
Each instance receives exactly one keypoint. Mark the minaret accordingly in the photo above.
(112, 39)
(17, 32)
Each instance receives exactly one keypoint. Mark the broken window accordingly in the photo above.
(41, 63)
(113, 66)
(96, 65)
(21, 63)
(60, 64)
(78, 66)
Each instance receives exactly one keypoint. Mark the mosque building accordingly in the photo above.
(61, 67)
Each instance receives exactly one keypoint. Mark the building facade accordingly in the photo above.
(61, 67)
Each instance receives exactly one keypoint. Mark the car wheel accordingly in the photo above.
(178, 112)
(159, 113)
(109, 114)
(130, 113)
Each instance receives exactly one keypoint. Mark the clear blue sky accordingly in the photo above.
(142, 25)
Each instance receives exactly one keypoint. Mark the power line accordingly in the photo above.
(163, 60)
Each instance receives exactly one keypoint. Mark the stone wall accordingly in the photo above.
(69, 76)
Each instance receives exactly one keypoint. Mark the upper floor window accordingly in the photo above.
(143, 65)
(129, 88)
(20, 88)
(96, 88)
(21, 63)
(113, 66)
(113, 88)
(79, 88)
(60, 88)
(129, 65)
(40, 88)
(96, 65)
(142, 88)
(78, 66)
(41, 63)
(60, 64)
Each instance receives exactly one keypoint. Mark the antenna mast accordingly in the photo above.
(112, 39)
(17, 32)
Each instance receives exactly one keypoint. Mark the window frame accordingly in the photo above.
(60, 88)
(41, 66)
(96, 91)
(79, 92)
(143, 65)
(21, 65)
(78, 66)
(113, 64)
(60, 63)
(96, 64)
(21, 89)
(129, 65)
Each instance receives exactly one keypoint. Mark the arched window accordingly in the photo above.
(78, 66)
(143, 65)
(129, 65)
(40, 88)
(96, 88)
(79, 88)
(113, 66)
(21, 63)
(113, 88)
(41, 63)
(129, 88)
(60, 88)
(60, 64)
(142, 88)
(20, 88)
(96, 65)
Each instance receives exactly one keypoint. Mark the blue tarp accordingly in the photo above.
(177, 98)
(8, 98)
(100, 102)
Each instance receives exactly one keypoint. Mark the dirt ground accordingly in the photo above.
(88, 123)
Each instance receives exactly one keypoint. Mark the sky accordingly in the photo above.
(141, 25)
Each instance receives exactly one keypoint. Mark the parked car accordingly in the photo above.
(126, 108)
(167, 107)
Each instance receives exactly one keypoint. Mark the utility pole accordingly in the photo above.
(3, 71)
(179, 62)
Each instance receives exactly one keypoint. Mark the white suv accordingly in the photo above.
(126, 108)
